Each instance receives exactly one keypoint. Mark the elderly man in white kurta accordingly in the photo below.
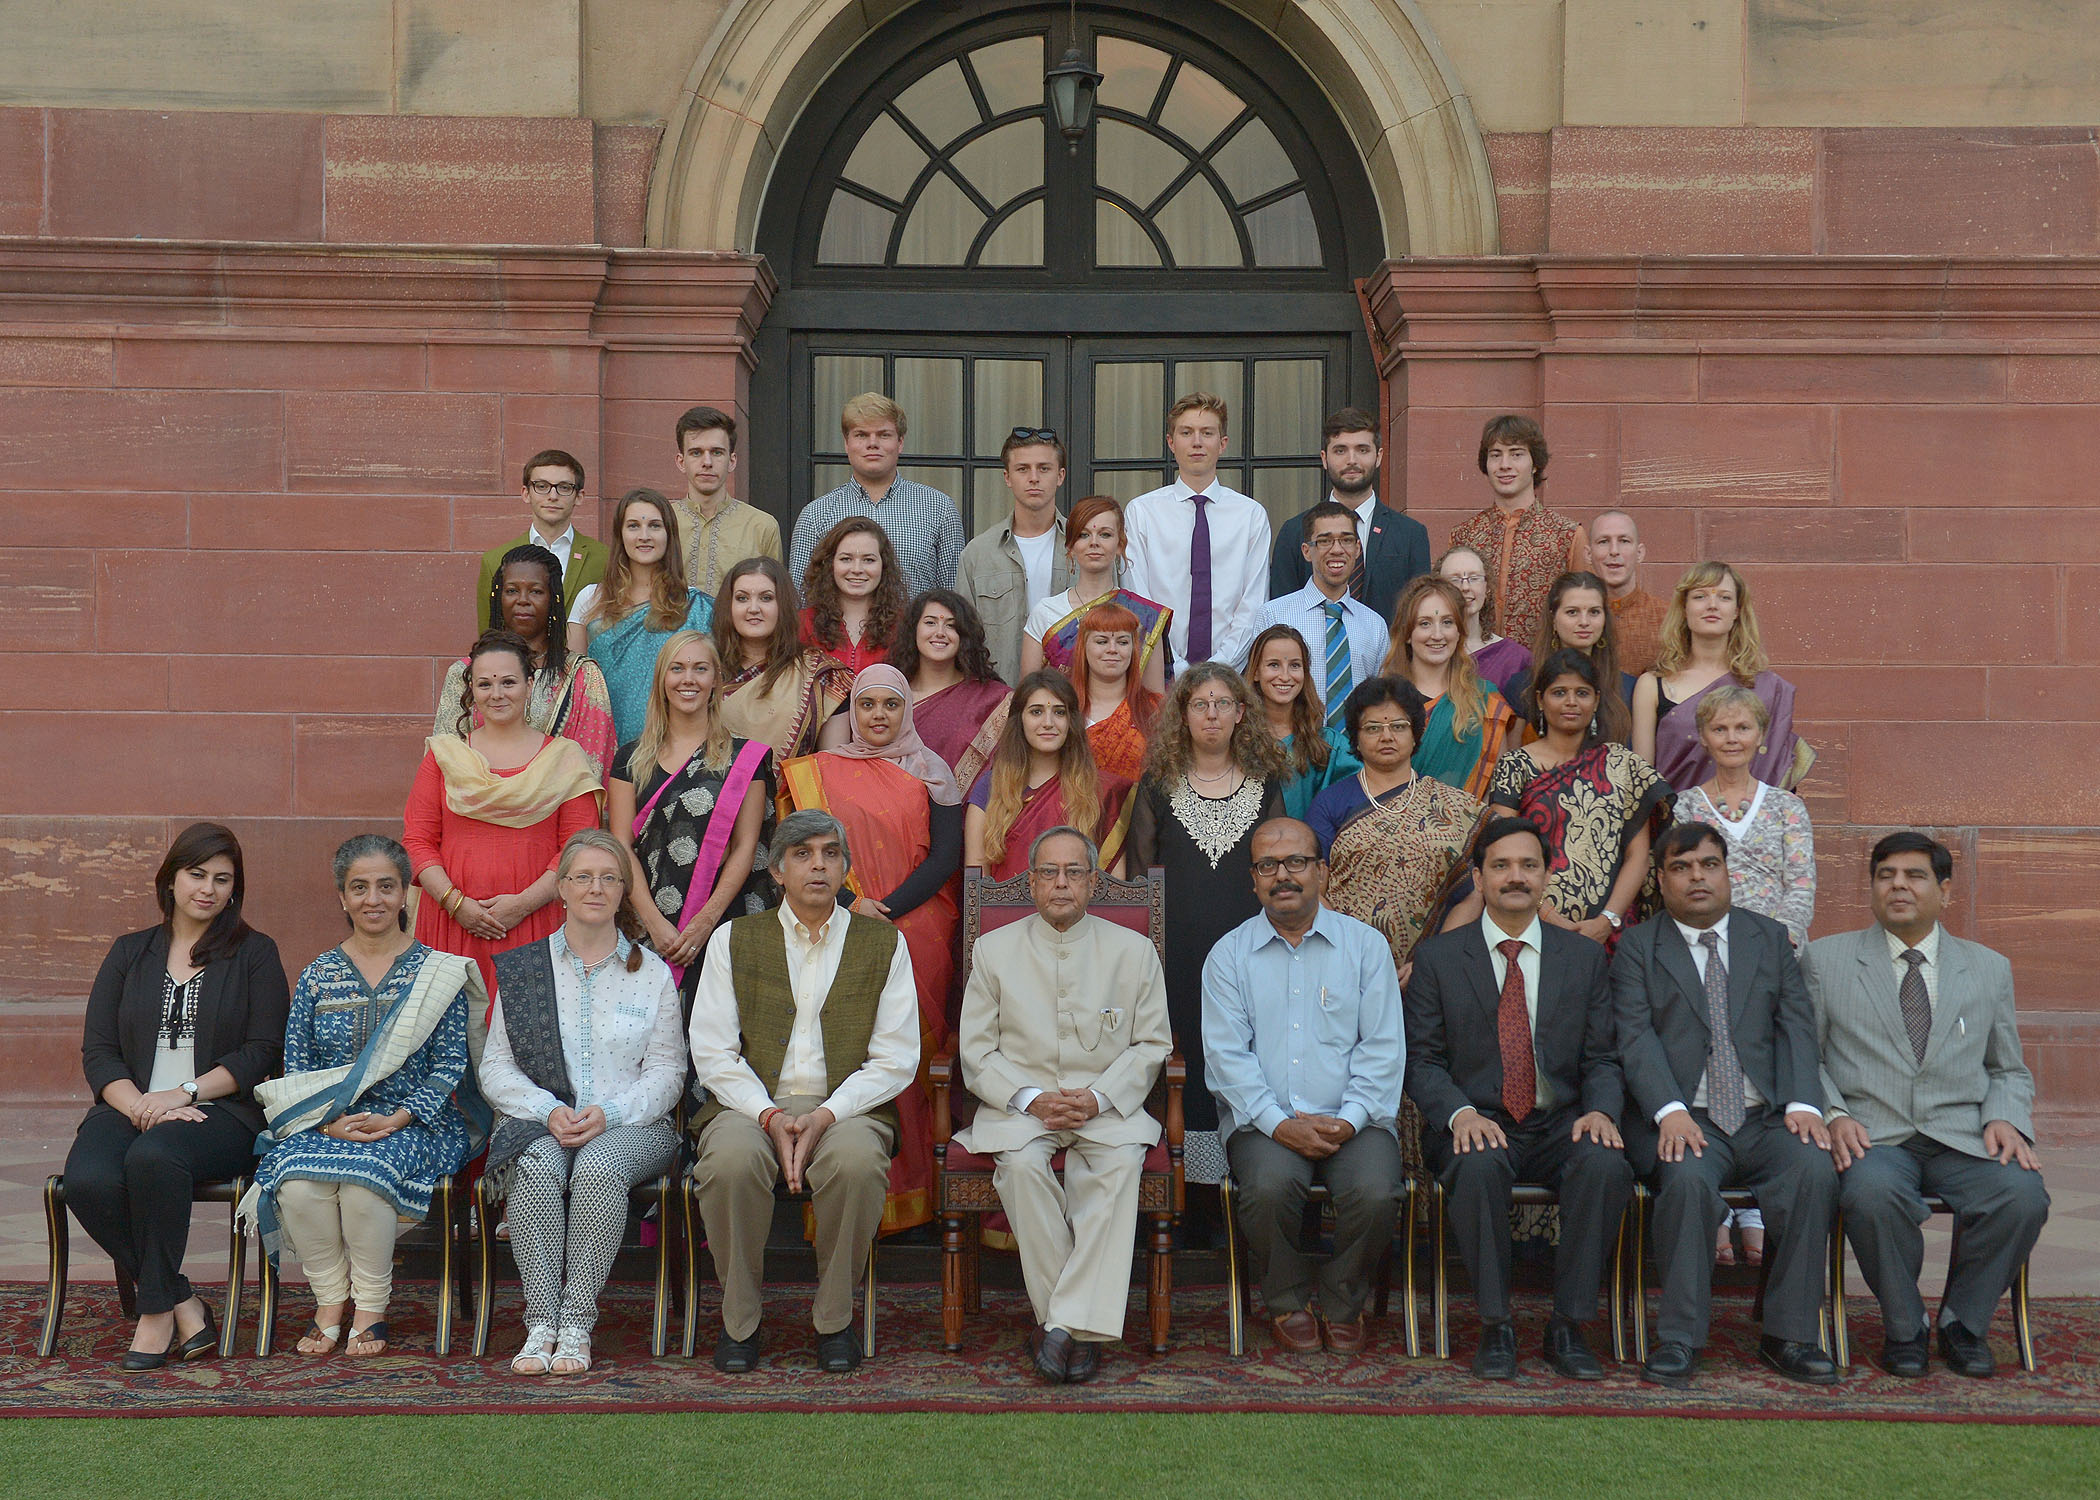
(1064, 1029)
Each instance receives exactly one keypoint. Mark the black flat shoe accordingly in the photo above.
(1803, 1362)
(135, 1360)
(203, 1343)
(1496, 1358)
(839, 1353)
(1052, 1352)
(1965, 1353)
(739, 1356)
(1905, 1358)
(1671, 1364)
(1569, 1353)
(1084, 1363)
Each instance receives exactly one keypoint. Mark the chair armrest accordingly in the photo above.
(940, 1075)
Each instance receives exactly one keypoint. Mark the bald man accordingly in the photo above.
(1616, 553)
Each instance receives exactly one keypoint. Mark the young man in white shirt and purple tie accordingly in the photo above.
(1197, 546)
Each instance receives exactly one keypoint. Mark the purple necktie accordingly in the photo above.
(1199, 584)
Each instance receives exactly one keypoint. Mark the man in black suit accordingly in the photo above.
(1396, 547)
(1715, 1027)
(1509, 1058)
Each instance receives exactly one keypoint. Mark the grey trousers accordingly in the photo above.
(1999, 1210)
(567, 1212)
(1796, 1188)
(1269, 1188)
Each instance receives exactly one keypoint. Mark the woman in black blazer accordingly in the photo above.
(184, 1021)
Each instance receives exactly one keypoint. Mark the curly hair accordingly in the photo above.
(1308, 750)
(1254, 750)
(1110, 618)
(1462, 684)
(1746, 649)
(1078, 778)
(669, 598)
(486, 644)
(1614, 717)
(972, 656)
(534, 555)
(827, 611)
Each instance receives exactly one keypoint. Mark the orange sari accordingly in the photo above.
(1119, 750)
(887, 816)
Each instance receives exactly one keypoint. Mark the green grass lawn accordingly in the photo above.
(759, 1457)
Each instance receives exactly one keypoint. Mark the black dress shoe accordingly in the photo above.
(1965, 1353)
(1568, 1353)
(739, 1356)
(1672, 1364)
(1803, 1362)
(1496, 1358)
(201, 1344)
(1085, 1360)
(839, 1353)
(1051, 1348)
(135, 1360)
(1905, 1357)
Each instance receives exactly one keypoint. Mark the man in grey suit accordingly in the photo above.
(1927, 1093)
(1715, 1029)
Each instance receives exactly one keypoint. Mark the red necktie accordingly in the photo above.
(1520, 1079)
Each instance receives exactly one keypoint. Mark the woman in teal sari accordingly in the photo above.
(1318, 756)
(1094, 544)
(625, 620)
(1468, 721)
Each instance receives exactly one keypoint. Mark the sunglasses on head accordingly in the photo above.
(1035, 434)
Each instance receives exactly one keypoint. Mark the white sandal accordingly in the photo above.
(572, 1356)
(533, 1358)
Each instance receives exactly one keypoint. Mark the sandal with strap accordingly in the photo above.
(573, 1355)
(331, 1336)
(538, 1350)
(371, 1333)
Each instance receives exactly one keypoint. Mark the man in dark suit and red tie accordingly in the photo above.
(1510, 1059)
(1718, 1041)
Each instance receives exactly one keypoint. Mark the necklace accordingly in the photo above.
(1225, 775)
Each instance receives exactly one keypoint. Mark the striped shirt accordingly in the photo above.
(924, 528)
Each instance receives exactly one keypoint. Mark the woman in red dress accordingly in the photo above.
(489, 813)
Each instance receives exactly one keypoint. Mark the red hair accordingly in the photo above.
(1112, 617)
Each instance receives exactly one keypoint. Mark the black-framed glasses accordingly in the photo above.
(1034, 434)
(544, 487)
(1296, 864)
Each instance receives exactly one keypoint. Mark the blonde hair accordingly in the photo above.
(871, 409)
(1197, 401)
(656, 727)
(1254, 750)
(603, 843)
(1746, 650)
(1731, 695)
(1462, 685)
(1078, 777)
(669, 598)
(1487, 585)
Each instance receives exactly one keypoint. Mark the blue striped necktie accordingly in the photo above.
(1337, 663)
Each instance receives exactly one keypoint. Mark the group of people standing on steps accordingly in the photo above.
(616, 758)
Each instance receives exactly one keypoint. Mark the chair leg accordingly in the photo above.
(1407, 1271)
(973, 1257)
(441, 1208)
(660, 1319)
(236, 1269)
(1235, 1290)
(1159, 1283)
(1439, 1278)
(2023, 1326)
(1641, 1202)
(953, 1275)
(867, 1311)
(484, 1265)
(1618, 1288)
(59, 1242)
(266, 1304)
(1840, 1336)
(692, 1266)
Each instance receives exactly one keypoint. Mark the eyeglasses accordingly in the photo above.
(1034, 435)
(1384, 726)
(1462, 579)
(1339, 539)
(545, 487)
(592, 882)
(1061, 874)
(1297, 864)
(1213, 705)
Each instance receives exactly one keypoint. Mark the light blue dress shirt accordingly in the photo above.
(1306, 612)
(1313, 1029)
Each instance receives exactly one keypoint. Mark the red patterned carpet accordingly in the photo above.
(911, 1373)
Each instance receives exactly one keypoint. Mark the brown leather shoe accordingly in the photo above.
(1345, 1338)
(1298, 1332)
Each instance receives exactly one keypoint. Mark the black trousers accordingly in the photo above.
(132, 1191)
(1364, 1180)
(1594, 1183)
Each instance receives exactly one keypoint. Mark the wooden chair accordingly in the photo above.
(2023, 1324)
(58, 1237)
(963, 1187)
(1523, 1195)
(695, 1238)
(445, 1203)
(1634, 1249)
(1239, 1291)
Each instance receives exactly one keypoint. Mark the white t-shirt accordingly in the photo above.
(585, 598)
(1036, 558)
(1046, 613)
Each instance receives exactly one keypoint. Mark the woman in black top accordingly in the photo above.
(185, 1019)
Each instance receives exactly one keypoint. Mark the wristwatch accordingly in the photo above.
(1612, 917)
(190, 1088)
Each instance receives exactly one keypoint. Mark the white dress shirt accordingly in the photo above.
(812, 964)
(1929, 945)
(1751, 1097)
(1160, 526)
(1363, 513)
(561, 546)
(1534, 941)
(619, 1038)
(1306, 612)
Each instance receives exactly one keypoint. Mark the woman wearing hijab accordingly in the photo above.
(904, 820)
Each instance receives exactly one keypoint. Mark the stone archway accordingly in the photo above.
(1378, 61)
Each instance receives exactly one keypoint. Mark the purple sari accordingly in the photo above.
(1503, 663)
(1682, 760)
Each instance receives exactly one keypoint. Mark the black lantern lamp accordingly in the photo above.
(1072, 86)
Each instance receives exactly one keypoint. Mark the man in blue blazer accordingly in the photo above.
(1396, 547)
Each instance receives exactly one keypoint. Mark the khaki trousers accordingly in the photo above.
(344, 1236)
(848, 1179)
(1076, 1238)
